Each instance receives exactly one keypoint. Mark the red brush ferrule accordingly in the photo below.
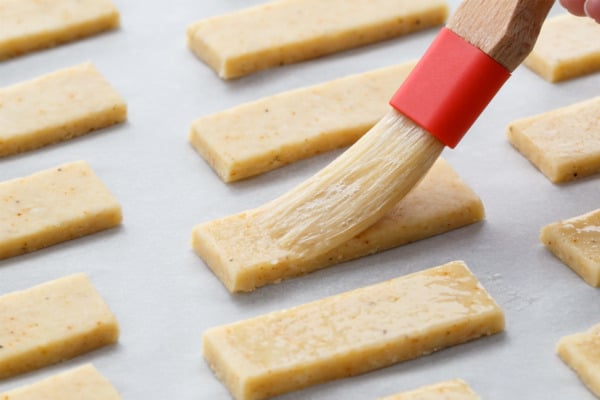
(449, 87)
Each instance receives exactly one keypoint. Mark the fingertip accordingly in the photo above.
(592, 9)
(575, 7)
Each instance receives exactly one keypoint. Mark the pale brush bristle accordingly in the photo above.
(354, 191)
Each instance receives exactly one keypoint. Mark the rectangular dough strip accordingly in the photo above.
(81, 383)
(576, 242)
(352, 333)
(268, 133)
(567, 47)
(27, 25)
(57, 106)
(52, 322)
(53, 206)
(581, 352)
(288, 31)
(243, 257)
(564, 143)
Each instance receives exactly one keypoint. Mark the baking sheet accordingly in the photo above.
(164, 296)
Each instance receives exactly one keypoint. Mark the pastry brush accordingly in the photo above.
(467, 63)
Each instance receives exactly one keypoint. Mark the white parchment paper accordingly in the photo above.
(165, 297)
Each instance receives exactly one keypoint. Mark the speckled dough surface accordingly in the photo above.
(27, 25)
(81, 383)
(564, 144)
(352, 333)
(581, 351)
(257, 137)
(287, 31)
(52, 322)
(242, 256)
(576, 241)
(57, 106)
(567, 47)
(52, 206)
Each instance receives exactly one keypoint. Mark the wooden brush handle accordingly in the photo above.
(506, 30)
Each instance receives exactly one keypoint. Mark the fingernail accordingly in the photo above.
(590, 9)
(585, 8)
